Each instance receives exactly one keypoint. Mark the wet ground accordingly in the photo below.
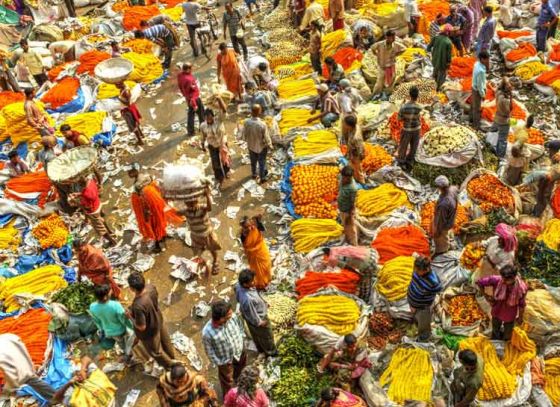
(178, 315)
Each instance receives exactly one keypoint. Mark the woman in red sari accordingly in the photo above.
(229, 69)
(93, 264)
(152, 212)
(256, 250)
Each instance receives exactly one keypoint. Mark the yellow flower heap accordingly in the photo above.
(337, 313)
(51, 232)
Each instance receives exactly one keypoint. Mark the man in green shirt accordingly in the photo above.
(441, 47)
(346, 204)
(467, 379)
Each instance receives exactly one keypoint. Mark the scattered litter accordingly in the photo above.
(186, 346)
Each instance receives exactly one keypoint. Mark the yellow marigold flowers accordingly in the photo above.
(498, 382)
(337, 313)
(331, 42)
(290, 89)
(41, 281)
(409, 375)
(139, 45)
(381, 200)
(394, 277)
(16, 124)
(51, 232)
(147, 67)
(89, 124)
(308, 234)
(552, 380)
(519, 351)
(315, 142)
(294, 117)
(551, 234)
(410, 54)
(530, 70)
(10, 237)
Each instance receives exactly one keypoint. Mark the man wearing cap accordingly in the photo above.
(445, 212)
(348, 99)
(330, 111)
(441, 47)
(386, 52)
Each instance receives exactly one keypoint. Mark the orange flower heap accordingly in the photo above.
(376, 158)
(464, 310)
(314, 187)
(490, 193)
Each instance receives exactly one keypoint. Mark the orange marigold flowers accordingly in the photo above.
(464, 310)
(376, 158)
(490, 193)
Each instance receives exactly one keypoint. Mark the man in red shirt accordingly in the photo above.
(90, 203)
(189, 88)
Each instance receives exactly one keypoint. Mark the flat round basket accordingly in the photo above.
(114, 70)
(72, 164)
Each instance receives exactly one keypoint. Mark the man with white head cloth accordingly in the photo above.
(444, 216)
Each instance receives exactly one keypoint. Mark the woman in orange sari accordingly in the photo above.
(152, 212)
(229, 69)
(256, 250)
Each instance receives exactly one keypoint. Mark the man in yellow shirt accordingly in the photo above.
(33, 62)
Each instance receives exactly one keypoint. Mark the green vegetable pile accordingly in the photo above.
(299, 384)
(76, 297)
(544, 265)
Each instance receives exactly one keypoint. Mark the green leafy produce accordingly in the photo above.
(293, 351)
(76, 297)
(544, 265)
(298, 387)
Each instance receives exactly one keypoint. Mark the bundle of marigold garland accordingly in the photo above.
(490, 193)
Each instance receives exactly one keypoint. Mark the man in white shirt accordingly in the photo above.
(259, 71)
(17, 366)
(412, 16)
(191, 9)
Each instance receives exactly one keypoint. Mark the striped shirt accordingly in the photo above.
(423, 289)
(329, 104)
(232, 21)
(199, 221)
(224, 344)
(157, 31)
(410, 116)
(434, 30)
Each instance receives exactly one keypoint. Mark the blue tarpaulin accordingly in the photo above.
(105, 139)
(75, 105)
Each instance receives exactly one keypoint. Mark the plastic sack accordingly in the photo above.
(324, 339)
(178, 177)
(452, 160)
(539, 398)
(446, 322)
(542, 313)
(373, 394)
(449, 270)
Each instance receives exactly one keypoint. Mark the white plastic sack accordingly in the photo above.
(178, 177)
(449, 270)
(454, 159)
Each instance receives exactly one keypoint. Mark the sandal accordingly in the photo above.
(215, 269)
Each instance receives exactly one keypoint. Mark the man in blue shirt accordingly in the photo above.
(486, 32)
(479, 86)
(422, 291)
(545, 24)
(458, 22)
(162, 36)
(254, 311)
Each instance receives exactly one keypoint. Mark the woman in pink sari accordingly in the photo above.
(228, 68)
(333, 397)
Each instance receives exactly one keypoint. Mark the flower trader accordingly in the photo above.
(188, 86)
(500, 251)
(486, 32)
(361, 259)
(255, 133)
(422, 291)
(478, 95)
(441, 49)
(181, 387)
(254, 311)
(507, 300)
(330, 111)
(348, 360)
(16, 166)
(213, 135)
(386, 52)
(347, 204)
(223, 338)
(409, 114)
(444, 215)
(547, 19)
(467, 379)
(18, 369)
(355, 148)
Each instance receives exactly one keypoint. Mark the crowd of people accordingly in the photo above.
(249, 87)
